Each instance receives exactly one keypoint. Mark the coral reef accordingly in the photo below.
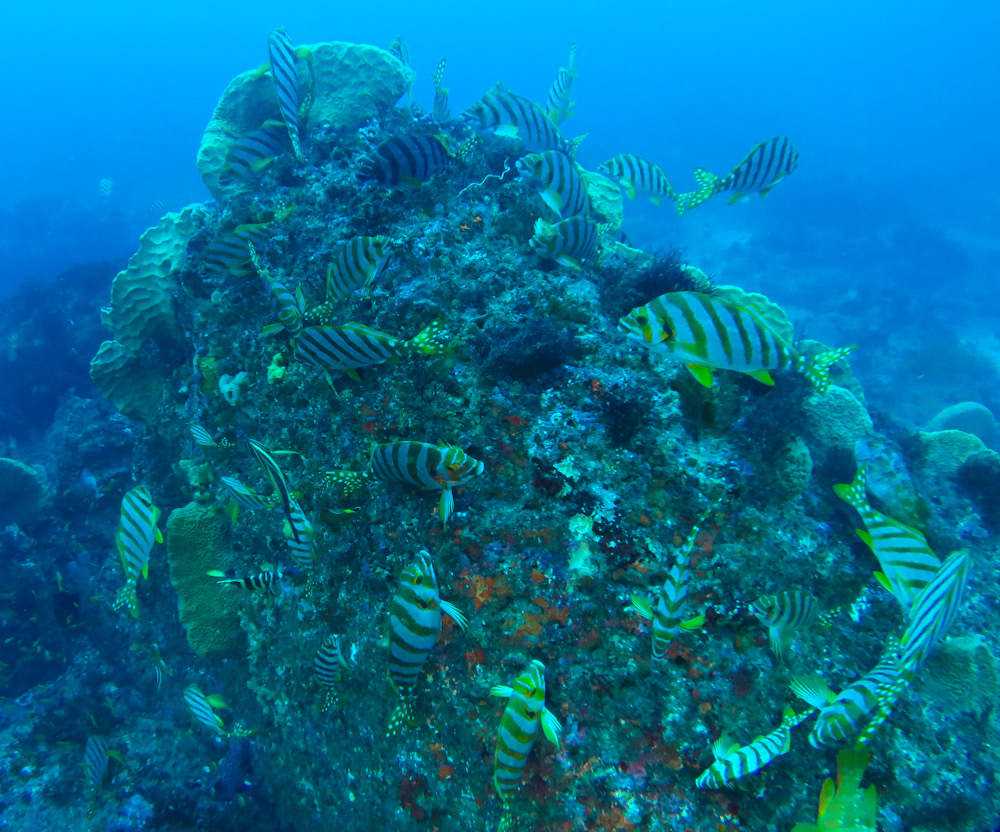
(22, 493)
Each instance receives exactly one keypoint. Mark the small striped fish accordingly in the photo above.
(844, 716)
(290, 306)
(400, 50)
(707, 333)
(559, 181)
(95, 760)
(935, 610)
(524, 719)
(559, 107)
(274, 473)
(137, 532)
(202, 437)
(442, 110)
(671, 607)
(359, 260)
(511, 116)
(253, 152)
(733, 762)
(352, 346)
(416, 463)
(784, 615)
(414, 625)
(231, 252)
(764, 167)
(201, 708)
(271, 581)
(908, 563)
(301, 540)
(636, 174)
(569, 242)
(406, 162)
(243, 496)
(329, 663)
(286, 83)
(105, 187)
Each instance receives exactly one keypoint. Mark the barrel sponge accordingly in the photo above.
(22, 493)
(765, 308)
(121, 377)
(971, 417)
(834, 423)
(142, 303)
(198, 541)
(349, 84)
(945, 451)
(964, 675)
(606, 203)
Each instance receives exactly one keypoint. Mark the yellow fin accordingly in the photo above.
(883, 579)
(762, 376)
(702, 374)
(642, 606)
(695, 623)
(508, 131)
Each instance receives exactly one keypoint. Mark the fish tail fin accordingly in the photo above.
(855, 492)
(127, 598)
(349, 481)
(330, 701)
(817, 368)
(574, 145)
(430, 340)
(506, 819)
(403, 717)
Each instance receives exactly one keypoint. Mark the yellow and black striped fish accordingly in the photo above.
(274, 473)
(525, 718)
(764, 167)
(908, 563)
(559, 107)
(935, 610)
(414, 625)
(511, 116)
(329, 663)
(707, 333)
(301, 539)
(352, 346)
(358, 262)
(95, 760)
(406, 162)
(442, 110)
(244, 496)
(201, 708)
(137, 532)
(415, 463)
(231, 252)
(636, 174)
(558, 180)
(400, 50)
(569, 242)
(733, 762)
(290, 306)
(266, 580)
(784, 615)
(253, 152)
(286, 83)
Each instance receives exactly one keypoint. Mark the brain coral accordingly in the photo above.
(21, 492)
(119, 375)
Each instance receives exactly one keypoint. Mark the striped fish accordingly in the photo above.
(274, 473)
(254, 152)
(137, 532)
(764, 167)
(201, 708)
(352, 346)
(733, 762)
(558, 179)
(559, 107)
(289, 306)
(202, 437)
(442, 109)
(784, 615)
(935, 610)
(908, 563)
(286, 83)
(95, 760)
(271, 581)
(245, 497)
(329, 663)
(511, 116)
(358, 262)
(636, 174)
(400, 50)
(416, 463)
(105, 187)
(523, 720)
(844, 716)
(707, 333)
(414, 625)
(671, 607)
(408, 161)
(569, 242)
(231, 252)
(300, 537)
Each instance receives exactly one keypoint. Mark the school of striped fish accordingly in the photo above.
(702, 332)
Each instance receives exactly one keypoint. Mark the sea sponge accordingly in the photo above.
(971, 417)
(606, 203)
(945, 451)
(963, 674)
(349, 84)
(22, 493)
(198, 541)
(792, 469)
(233, 388)
(119, 374)
(142, 303)
(835, 422)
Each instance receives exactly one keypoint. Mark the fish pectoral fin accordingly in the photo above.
(216, 701)
(504, 691)
(508, 131)
(642, 606)
(551, 198)
(765, 191)
(159, 536)
(630, 192)
(883, 579)
(655, 200)
(763, 376)
(145, 570)
(812, 689)
(735, 198)
(695, 623)
(449, 609)
(446, 505)
(702, 374)
(551, 727)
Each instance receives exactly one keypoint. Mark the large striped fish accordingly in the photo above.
(286, 83)
(636, 174)
(764, 167)
(358, 262)
(569, 242)
(784, 615)
(329, 663)
(511, 116)
(137, 532)
(95, 759)
(414, 625)
(352, 346)
(290, 306)
(908, 563)
(707, 333)
(845, 715)
(252, 153)
(231, 252)
(406, 162)
(935, 610)
(244, 496)
(442, 110)
(201, 708)
(733, 762)
(415, 463)
(301, 539)
(559, 107)
(669, 607)
(525, 718)
(558, 180)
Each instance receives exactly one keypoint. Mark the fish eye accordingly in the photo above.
(641, 319)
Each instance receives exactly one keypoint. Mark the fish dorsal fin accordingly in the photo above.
(724, 748)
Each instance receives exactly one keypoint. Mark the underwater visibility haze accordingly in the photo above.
(500, 417)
